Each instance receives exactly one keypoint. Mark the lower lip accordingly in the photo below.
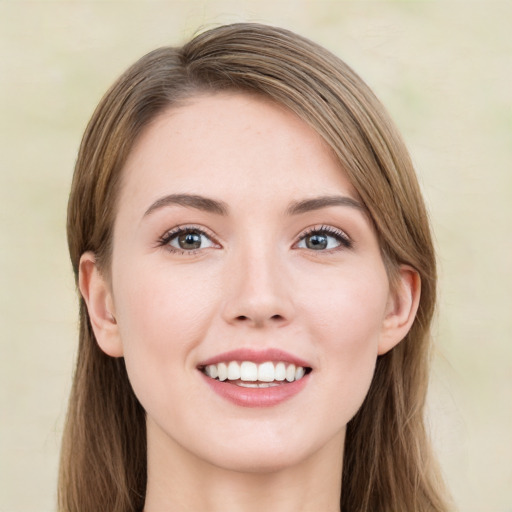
(256, 397)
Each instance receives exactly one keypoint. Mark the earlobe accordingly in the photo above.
(402, 308)
(98, 297)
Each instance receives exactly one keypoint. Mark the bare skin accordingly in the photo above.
(237, 229)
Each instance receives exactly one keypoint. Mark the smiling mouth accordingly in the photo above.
(252, 375)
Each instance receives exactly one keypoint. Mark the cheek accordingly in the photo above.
(161, 318)
(347, 311)
(155, 306)
(347, 318)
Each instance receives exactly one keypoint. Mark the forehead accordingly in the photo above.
(231, 144)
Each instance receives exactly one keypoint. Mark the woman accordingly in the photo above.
(257, 284)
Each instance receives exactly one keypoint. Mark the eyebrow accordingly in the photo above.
(220, 208)
(191, 201)
(316, 203)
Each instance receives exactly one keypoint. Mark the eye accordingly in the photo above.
(186, 239)
(324, 238)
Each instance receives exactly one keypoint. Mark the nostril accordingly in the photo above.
(244, 318)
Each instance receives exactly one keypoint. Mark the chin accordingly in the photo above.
(259, 461)
(273, 453)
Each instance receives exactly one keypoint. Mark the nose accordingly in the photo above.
(259, 291)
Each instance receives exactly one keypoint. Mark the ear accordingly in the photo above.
(99, 300)
(401, 310)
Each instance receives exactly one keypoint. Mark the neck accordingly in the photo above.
(179, 481)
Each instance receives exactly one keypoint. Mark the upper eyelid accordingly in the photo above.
(323, 228)
(188, 227)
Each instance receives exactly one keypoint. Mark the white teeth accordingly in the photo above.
(249, 371)
(211, 371)
(280, 372)
(266, 372)
(257, 384)
(290, 373)
(233, 371)
(222, 371)
(251, 374)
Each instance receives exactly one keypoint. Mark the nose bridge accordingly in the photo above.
(259, 293)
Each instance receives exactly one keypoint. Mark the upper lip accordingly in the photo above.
(256, 356)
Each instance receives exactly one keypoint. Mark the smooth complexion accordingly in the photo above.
(238, 230)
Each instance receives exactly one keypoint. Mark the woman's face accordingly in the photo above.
(241, 247)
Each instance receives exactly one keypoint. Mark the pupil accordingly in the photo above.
(190, 241)
(316, 242)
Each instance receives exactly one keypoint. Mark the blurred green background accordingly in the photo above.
(443, 69)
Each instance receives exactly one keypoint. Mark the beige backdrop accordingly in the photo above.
(444, 69)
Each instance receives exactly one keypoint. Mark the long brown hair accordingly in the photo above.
(388, 463)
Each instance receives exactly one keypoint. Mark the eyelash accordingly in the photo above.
(340, 236)
(166, 238)
(343, 239)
